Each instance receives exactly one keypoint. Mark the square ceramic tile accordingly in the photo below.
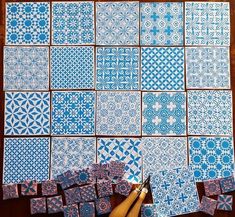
(10, 191)
(123, 187)
(73, 22)
(73, 113)
(72, 67)
(28, 23)
(211, 157)
(27, 113)
(125, 150)
(26, 68)
(163, 153)
(207, 23)
(26, 158)
(71, 211)
(227, 184)
(225, 202)
(162, 68)
(208, 67)
(87, 209)
(210, 112)
(103, 205)
(164, 113)
(29, 188)
(118, 113)
(175, 192)
(212, 187)
(55, 204)
(71, 154)
(117, 23)
(208, 205)
(38, 205)
(88, 192)
(161, 23)
(117, 68)
(65, 179)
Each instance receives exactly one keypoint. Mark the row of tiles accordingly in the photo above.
(120, 113)
(116, 68)
(118, 23)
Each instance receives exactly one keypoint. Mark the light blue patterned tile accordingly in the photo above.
(150, 210)
(26, 158)
(28, 23)
(207, 23)
(163, 153)
(27, 113)
(164, 113)
(125, 150)
(208, 67)
(73, 113)
(26, 68)
(117, 23)
(210, 112)
(211, 157)
(162, 68)
(117, 68)
(72, 67)
(71, 153)
(175, 192)
(73, 22)
(161, 23)
(118, 113)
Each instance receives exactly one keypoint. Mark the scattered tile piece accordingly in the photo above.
(88, 192)
(55, 204)
(10, 191)
(71, 211)
(227, 184)
(208, 205)
(38, 205)
(116, 169)
(49, 188)
(123, 187)
(83, 177)
(100, 171)
(87, 209)
(103, 205)
(225, 202)
(66, 179)
(29, 187)
(105, 188)
(212, 187)
(72, 195)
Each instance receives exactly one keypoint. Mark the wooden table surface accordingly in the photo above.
(20, 207)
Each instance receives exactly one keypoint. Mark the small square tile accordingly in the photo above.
(71, 211)
(207, 23)
(210, 112)
(55, 204)
(161, 23)
(116, 169)
(208, 67)
(212, 187)
(103, 205)
(38, 205)
(72, 67)
(10, 191)
(65, 149)
(87, 209)
(211, 157)
(27, 113)
(117, 68)
(162, 68)
(88, 192)
(28, 23)
(117, 23)
(49, 187)
(73, 22)
(19, 155)
(72, 195)
(164, 113)
(208, 205)
(118, 113)
(123, 187)
(104, 188)
(29, 188)
(225, 202)
(26, 68)
(227, 184)
(66, 179)
(73, 113)
(100, 171)
(83, 177)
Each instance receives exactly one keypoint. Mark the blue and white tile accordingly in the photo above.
(161, 23)
(127, 150)
(210, 112)
(164, 113)
(26, 68)
(28, 23)
(117, 23)
(26, 158)
(73, 23)
(73, 113)
(175, 192)
(150, 210)
(162, 69)
(207, 23)
(118, 113)
(72, 67)
(117, 68)
(71, 153)
(27, 113)
(211, 157)
(208, 68)
(163, 153)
